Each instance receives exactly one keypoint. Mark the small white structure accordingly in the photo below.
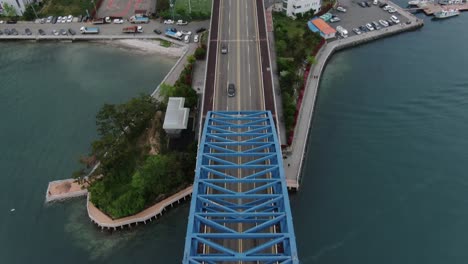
(176, 118)
(294, 7)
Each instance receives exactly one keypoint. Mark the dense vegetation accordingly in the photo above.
(199, 9)
(294, 46)
(132, 179)
(182, 87)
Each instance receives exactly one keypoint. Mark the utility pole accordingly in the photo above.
(34, 10)
(172, 8)
(95, 9)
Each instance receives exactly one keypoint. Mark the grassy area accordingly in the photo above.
(65, 7)
(201, 6)
(165, 43)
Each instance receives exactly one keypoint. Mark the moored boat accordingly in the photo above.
(446, 13)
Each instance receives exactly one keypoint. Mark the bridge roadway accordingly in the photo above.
(241, 66)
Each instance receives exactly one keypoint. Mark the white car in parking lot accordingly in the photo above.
(118, 21)
(168, 22)
(370, 27)
(69, 19)
(195, 38)
(395, 19)
(341, 9)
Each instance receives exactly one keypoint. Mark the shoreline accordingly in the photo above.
(146, 46)
(295, 153)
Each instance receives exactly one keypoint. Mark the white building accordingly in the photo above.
(176, 118)
(19, 5)
(294, 7)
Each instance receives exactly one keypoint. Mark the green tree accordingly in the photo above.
(9, 10)
(166, 91)
(191, 59)
(200, 53)
(28, 13)
(162, 5)
(311, 59)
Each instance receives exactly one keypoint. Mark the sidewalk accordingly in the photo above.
(177, 69)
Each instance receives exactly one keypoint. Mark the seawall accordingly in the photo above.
(296, 153)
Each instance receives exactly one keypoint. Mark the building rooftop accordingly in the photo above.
(323, 26)
(176, 115)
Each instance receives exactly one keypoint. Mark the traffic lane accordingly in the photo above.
(222, 61)
(211, 63)
(265, 60)
(257, 87)
(246, 80)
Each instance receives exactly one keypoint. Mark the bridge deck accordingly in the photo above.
(240, 207)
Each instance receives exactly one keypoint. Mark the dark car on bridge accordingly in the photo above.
(231, 90)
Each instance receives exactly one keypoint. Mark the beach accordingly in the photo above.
(148, 46)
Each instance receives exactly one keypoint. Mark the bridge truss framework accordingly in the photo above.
(240, 193)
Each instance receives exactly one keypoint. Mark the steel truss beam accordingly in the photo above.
(240, 193)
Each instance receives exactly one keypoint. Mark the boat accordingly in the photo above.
(419, 2)
(446, 13)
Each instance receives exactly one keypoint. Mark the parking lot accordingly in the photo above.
(356, 16)
(125, 8)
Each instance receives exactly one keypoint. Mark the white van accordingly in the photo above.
(187, 38)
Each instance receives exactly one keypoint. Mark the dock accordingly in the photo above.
(431, 8)
(64, 189)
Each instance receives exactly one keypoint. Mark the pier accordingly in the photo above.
(64, 189)
(431, 8)
(295, 154)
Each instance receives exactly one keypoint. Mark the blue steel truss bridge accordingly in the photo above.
(240, 209)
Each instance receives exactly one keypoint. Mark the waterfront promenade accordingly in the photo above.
(104, 221)
(295, 154)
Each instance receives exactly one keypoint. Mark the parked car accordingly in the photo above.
(72, 32)
(370, 27)
(49, 19)
(195, 38)
(7, 31)
(54, 20)
(231, 90)
(200, 30)
(168, 21)
(173, 30)
(181, 23)
(41, 32)
(1, 32)
(367, 4)
(382, 5)
(187, 38)
(341, 9)
(42, 21)
(55, 32)
(376, 2)
(157, 31)
(224, 49)
(118, 21)
(376, 25)
(185, 32)
(357, 31)
(390, 22)
(363, 29)
(11, 21)
(14, 32)
(59, 19)
(69, 19)
(28, 32)
(362, 4)
(395, 19)
(334, 19)
(2, 22)
(383, 23)
(63, 32)
(392, 10)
